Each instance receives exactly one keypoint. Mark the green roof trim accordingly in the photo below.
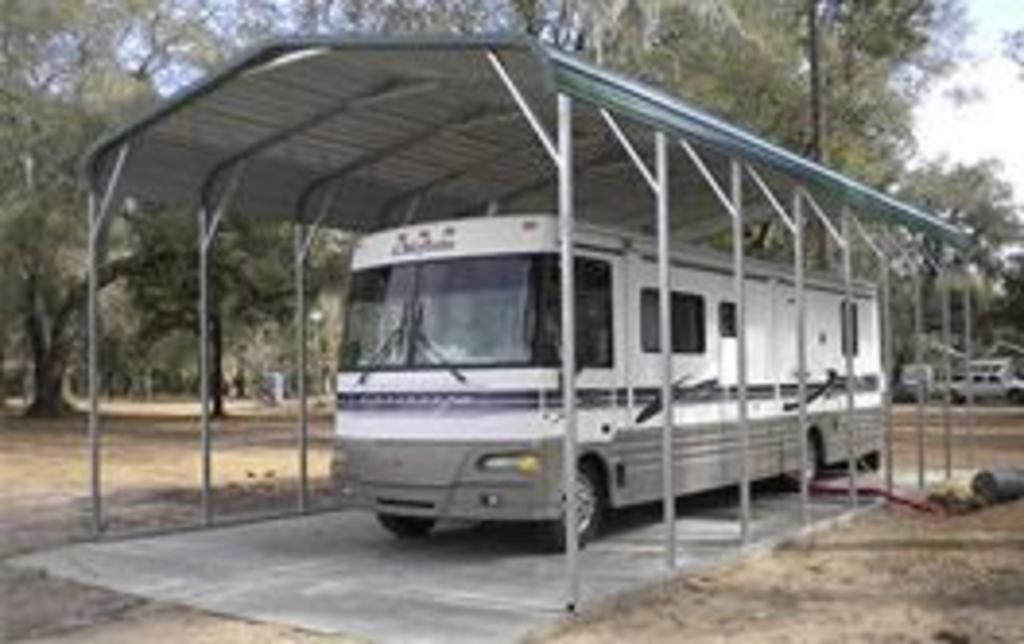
(567, 74)
(662, 111)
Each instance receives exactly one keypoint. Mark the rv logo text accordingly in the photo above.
(422, 244)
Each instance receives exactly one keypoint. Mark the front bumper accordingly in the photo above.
(444, 480)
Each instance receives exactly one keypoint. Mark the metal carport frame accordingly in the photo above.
(270, 115)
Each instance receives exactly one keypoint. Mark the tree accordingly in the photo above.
(68, 67)
(978, 200)
(251, 279)
(1009, 305)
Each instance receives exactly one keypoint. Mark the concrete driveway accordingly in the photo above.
(340, 573)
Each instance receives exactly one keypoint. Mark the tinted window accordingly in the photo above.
(849, 325)
(727, 319)
(687, 311)
(594, 347)
(593, 313)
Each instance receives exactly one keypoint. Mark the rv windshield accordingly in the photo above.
(454, 313)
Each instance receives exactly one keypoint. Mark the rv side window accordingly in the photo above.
(593, 280)
(688, 332)
(850, 341)
(593, 313)
(727, 319)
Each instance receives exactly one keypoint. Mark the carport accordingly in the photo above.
(362, 133)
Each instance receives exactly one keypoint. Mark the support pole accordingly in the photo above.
(795, 224)
(665, 337)
(740, 293)
(947, 368)
(209, 223)
(885, 323)
(204, 360)
(801, 355)
(99, 211)
(566, 220)
(301, 340)
(96, 485)
(304, 235)
(849, 342)
(919, 361)
(887, 366)
(968, 358)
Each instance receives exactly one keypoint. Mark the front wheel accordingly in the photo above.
(1016, 396)
(406, 527)
(591, 507)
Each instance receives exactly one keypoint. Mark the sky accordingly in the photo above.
(993, 125)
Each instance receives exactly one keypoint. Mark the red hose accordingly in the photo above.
(924, 507)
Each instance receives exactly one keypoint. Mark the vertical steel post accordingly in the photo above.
(919, 360)
(740, 294)
(887, 364)
(968, 358)
(99, 211)
(665, 339)
(301, 340)
(96, 489)
(566, 220)
(209, 221)
(848, 310)
(204, 358)
(947, 368)
(801, 354)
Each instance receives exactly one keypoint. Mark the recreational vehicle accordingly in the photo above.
(449, 392)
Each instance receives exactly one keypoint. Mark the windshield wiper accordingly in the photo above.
(396, 335)
(430, 346)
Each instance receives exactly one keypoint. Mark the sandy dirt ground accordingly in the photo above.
(151, 473)
(885, 577)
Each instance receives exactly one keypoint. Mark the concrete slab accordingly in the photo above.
(340, 573)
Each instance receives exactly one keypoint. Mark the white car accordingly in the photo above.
(992, 379)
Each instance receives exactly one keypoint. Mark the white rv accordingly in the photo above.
(449, 396)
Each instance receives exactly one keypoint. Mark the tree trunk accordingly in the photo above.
(817, 236)
(49, 357)
(48, 392)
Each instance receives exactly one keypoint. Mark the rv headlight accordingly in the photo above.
(522, 462)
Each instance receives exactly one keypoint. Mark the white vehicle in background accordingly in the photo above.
(909, 378)
(450, 391)
(991, 379)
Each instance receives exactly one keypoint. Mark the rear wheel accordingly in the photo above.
(591, 507)
(1016, 396)
(406, 527)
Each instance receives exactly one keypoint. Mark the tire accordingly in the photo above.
(1016, 396)
(959, 398)
(592, 500)
(406, 527)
